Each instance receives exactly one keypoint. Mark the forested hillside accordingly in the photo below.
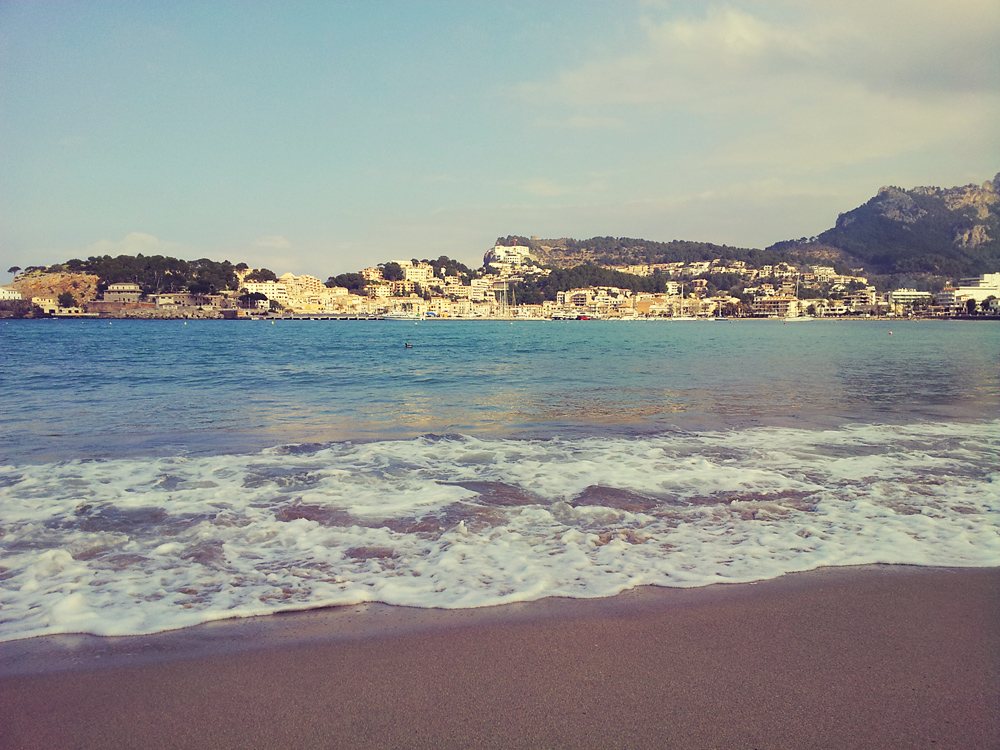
(567, 252)
(947, 232)
(156, 273)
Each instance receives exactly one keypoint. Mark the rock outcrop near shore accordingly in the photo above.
(83, 286)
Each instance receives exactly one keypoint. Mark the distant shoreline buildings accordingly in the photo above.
(419, 289)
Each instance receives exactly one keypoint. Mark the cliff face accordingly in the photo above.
(83, 286)
(565, 253)
(974, 208)
(925, 230)
(982, 200)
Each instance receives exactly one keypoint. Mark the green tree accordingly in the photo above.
(19, 308)
(353, 282)
(14, 270)
(527, 294)
(261, 274)
(200, 286)
(66, 299)
(970, 306)
(392, 271)
(723, 281)
(156, 273)
(246, 298)
(445, 266)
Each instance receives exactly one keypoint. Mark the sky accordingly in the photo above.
(322, 137)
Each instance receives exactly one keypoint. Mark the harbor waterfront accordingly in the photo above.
(157, 475)
(499, 376)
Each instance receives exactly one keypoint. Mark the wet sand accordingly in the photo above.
(874, 657)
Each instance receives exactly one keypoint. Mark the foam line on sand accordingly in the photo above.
(873, 657)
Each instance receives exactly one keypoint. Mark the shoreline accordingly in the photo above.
(336, 318)
(872, 656)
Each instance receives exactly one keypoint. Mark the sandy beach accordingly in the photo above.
(874, 657)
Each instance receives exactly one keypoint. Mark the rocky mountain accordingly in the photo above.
(915, 235)
(950, 232)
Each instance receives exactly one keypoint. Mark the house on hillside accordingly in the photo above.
(123, 292)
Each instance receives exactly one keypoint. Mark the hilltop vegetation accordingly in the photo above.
(622, 251)
(156, 273)
(923, 232)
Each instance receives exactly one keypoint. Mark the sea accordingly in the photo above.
(159, 474)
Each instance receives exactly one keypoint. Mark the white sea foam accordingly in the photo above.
(137, 546)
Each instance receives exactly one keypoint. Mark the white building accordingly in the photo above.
(979, 289)
(301, 291)
(7, 294)
(480, 290)
(452, 286)
(824, 274)
(909, 297)
(697, 268)
(418, 273)
(273, 290)
(602, 300)
(507, 258)
(776, 307)
(46, 304)
(862, 301)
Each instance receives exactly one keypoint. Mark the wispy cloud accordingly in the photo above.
(273, 242)
(905, 47)
(808, 86)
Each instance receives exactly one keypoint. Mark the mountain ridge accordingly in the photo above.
(921, 232)
(944, 231)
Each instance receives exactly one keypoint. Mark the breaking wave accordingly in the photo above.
(130, 546)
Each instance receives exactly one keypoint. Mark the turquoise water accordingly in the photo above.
(155, 475)
(74, 389)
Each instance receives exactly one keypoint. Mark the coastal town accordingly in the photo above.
(444, 289)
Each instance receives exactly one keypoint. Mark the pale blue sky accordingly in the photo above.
(320, 137)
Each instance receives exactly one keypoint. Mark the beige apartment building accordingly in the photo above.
(775, 307)
(122, 292)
